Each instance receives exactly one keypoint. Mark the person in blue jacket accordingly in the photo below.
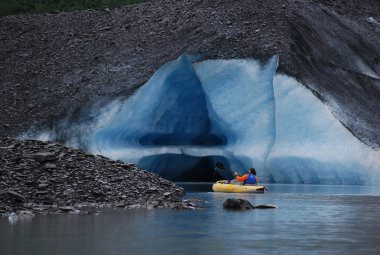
(248, 179)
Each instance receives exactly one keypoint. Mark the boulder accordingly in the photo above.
(237, 204)
(241, 204)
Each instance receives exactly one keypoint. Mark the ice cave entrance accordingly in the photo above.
(192, 113)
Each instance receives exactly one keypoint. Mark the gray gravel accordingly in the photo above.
(42, 177)
(54, 64)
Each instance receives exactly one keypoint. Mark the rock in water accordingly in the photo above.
(242, 204)
(237, 204)
(267, 206)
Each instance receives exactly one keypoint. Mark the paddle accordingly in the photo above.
(220, 165)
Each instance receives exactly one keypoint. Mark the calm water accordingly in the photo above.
(310, 219)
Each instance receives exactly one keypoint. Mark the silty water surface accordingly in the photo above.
(312, 219)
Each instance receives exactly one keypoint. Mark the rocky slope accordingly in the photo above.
(42, 177)
(52, 65)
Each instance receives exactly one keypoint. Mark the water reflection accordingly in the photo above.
(311, 219)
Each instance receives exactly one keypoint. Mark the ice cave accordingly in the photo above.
(191, 114)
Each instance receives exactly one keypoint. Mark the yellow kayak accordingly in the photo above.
(224, 186)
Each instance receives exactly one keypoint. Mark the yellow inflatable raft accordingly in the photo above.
(224, 186)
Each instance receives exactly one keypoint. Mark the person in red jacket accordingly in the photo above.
(248, 179)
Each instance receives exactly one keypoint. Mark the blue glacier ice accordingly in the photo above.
(161, 123)
(193, 113)
(281, 128)
(169, 110)
(240, 92)
(312, 146)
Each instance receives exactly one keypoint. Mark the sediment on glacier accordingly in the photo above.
(51, 67)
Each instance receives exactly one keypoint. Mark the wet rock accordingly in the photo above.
(242, 204)
(265, 206)
(237, 204)
(188, 204)
(26, 214)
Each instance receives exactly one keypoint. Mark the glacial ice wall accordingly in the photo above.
(312, 146)
(165, 126)
(192, 114)
(240, 92)
(282, 128)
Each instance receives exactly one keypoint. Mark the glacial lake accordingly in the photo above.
(310, 219)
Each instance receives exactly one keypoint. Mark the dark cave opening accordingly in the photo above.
(186, 168)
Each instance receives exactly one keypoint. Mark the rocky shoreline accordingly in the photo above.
(43, 178)
(52, 69)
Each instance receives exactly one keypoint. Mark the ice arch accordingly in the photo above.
(193, 113)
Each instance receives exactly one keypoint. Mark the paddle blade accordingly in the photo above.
(220, 165)
(227, 175)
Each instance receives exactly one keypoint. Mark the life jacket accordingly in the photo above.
(251, 179)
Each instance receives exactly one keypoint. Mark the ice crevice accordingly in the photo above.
(192, 113)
